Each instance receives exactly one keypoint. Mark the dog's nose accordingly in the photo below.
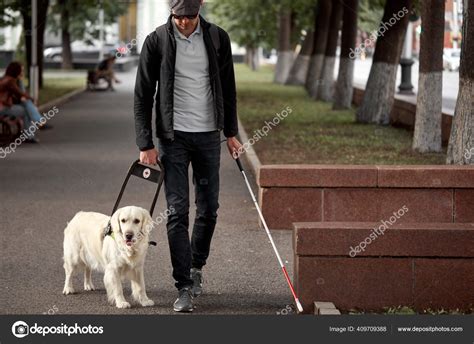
(129, 236)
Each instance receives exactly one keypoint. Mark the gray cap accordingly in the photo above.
(185, 7)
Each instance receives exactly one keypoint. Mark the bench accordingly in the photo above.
(10, 129)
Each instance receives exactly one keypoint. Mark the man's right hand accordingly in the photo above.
(149, 157)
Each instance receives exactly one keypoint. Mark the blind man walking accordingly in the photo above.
(186, 68)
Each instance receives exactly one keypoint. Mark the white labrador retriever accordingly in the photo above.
(119, 255)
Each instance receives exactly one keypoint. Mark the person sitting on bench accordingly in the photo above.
(105, 70)
(13, 100)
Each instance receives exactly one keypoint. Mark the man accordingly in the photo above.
(105, 69)
(191, 60)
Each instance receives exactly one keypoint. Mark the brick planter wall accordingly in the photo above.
(421, 265)
(424, 260)
(309, 193)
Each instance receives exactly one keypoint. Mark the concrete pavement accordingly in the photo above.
(80, 165)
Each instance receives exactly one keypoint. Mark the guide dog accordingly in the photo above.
(115, 245)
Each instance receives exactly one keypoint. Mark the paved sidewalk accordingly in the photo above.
(80, 165)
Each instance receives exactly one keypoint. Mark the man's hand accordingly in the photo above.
(149, 157)
(234, 146)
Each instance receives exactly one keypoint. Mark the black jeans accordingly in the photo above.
(202, 150)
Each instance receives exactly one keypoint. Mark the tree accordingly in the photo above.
(327, 73)
(380, 89)
(299, 70)
(370, 13)
(321, 26)
(250, 24)
(427, 135)
(77, 19)
(285, 52)
(344, 88)
(461, 141)
(302, 33)
(8, 9)
(65, 34)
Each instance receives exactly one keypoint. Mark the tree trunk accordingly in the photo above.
(285, 52)
(344, 85)
(427, 135)
(461, 142)
(65, 36)
(321, 27)
(251, 58)
(327, 74)
(380, 88)
(299, 70)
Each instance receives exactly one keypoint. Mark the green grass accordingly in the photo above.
(56, 87)
(313, 133)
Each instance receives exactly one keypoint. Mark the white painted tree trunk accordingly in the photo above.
(284, 63)
(344, 88)
(427, 135)
(379, 94)
(314, 74)
(326, 87)
(461, 141)
(252, 58)
(299, 71)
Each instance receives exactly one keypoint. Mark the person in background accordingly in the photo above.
(14, 102)
(33, 112)
(105, 70)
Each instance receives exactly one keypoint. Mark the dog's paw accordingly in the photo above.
(89, 287)
(123, 304)
(147, 303)
(68, 290)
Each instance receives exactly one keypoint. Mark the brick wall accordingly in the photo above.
(425, 261)
(308, 193)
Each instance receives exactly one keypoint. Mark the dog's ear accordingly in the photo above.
(147, 222)
(115, 221)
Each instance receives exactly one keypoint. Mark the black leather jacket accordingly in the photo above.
(157, 65)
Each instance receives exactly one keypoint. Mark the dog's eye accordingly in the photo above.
(136, 221)
(123, 220)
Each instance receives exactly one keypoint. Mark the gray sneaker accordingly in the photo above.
(184, 302)
(196, 276)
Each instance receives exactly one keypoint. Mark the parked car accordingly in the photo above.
(80, 49)
(451, 59)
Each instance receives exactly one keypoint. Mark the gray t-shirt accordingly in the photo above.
(193, 99)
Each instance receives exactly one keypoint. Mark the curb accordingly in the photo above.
(250, 155)
(61, 100)
(325, 308)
